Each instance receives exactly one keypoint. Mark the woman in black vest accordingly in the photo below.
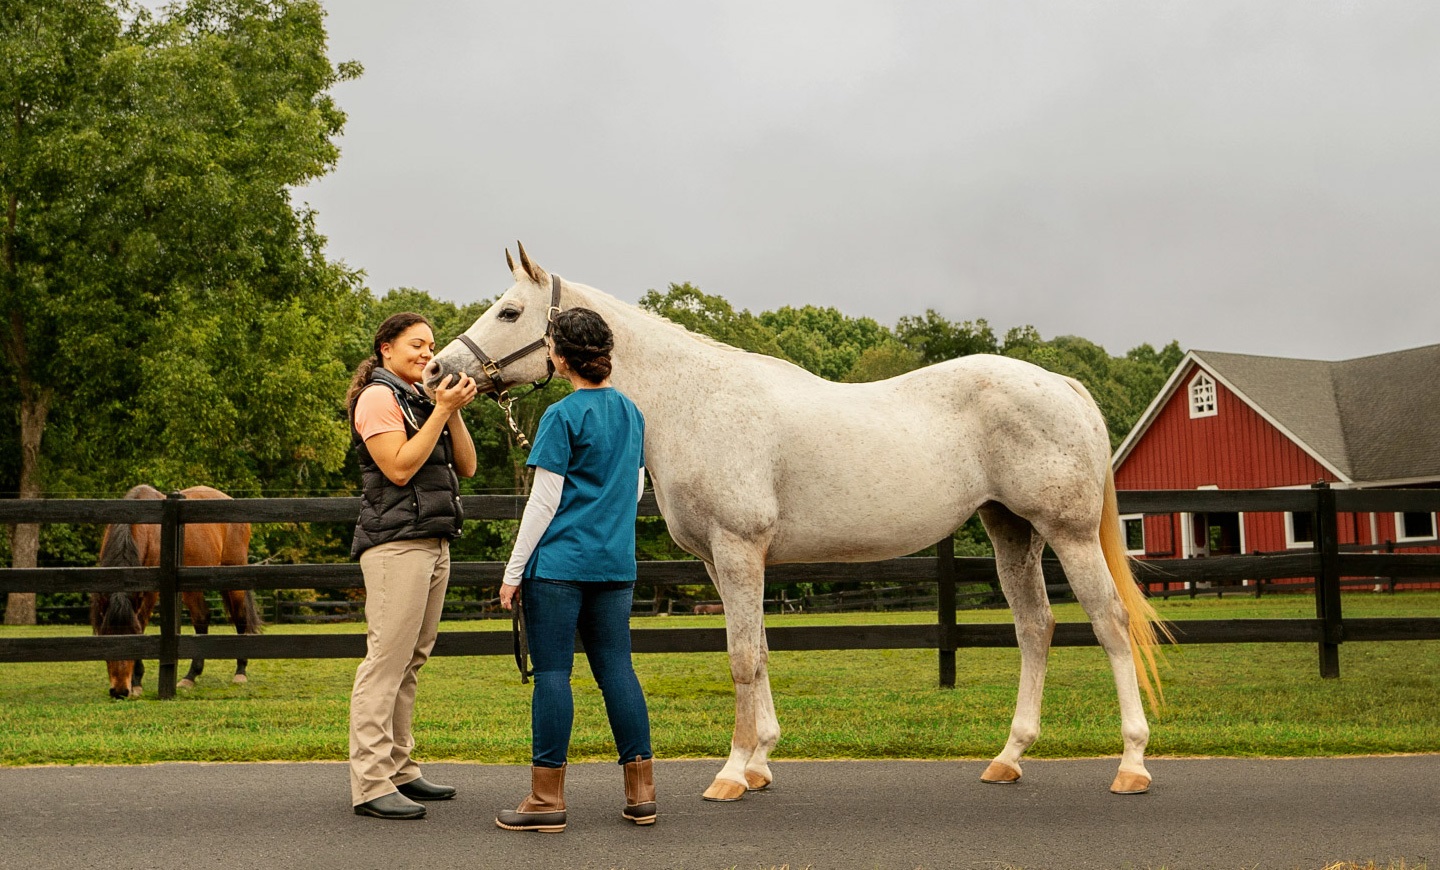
(411, 450)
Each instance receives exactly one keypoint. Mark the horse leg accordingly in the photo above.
(199, 618)
(1089, 577)
(144, 606)
(767, 725)
(238, 604)
(757, 770)
(1017, 561)
(739, 574)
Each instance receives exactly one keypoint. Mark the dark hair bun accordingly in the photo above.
(583, 339)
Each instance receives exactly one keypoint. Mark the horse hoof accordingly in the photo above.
(136, 691)
(239, 678)
(186, 683)
(1000, 773)
(756, 780)
(1127, 782)
(724, 790)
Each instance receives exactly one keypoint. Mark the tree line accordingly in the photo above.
(169, 315)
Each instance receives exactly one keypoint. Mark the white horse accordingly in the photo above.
(757, 462)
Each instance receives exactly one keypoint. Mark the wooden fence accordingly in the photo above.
(1326, 563)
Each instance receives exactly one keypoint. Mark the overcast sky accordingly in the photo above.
(1241, 175)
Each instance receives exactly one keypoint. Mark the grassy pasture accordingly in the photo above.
(1232, 700)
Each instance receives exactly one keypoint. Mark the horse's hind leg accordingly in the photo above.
(240, 605)
(1017, 561)
(739, 575)
(199, 618)
(1089, 577)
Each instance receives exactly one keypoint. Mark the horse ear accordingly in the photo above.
(514, 270)
(534, 272)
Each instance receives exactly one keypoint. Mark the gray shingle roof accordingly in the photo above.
(1373, 418)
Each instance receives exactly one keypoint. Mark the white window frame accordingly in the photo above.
(1290, 542)
(1400, 536)
(1200, 404)
(1125, 518)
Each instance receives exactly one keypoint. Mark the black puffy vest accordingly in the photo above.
(426, 507)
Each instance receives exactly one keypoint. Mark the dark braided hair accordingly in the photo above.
(393, 327)
(583, 339)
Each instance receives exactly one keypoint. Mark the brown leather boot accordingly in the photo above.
(544, 809)
(639, 792)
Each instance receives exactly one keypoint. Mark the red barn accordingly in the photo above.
(1235, 421)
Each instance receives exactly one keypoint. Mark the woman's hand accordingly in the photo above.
(455, 392)
(507, 595)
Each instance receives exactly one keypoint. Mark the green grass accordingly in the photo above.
(1231, 700)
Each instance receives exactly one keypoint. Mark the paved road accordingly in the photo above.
(1201, 813)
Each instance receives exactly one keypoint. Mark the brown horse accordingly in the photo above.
(139, 545)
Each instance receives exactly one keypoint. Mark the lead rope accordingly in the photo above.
(519, 640)
(505, 401)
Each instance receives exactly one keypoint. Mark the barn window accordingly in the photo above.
(1202, 396)
(1134, 534)
(1414, 526)
(1299, 530)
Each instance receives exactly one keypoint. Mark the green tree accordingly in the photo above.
(937, 339)
(713, 316)
(824, 341)
(885, 360)
(168, 315)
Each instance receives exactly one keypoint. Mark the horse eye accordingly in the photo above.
(509, 315)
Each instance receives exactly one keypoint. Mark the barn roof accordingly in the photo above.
(1371, 419)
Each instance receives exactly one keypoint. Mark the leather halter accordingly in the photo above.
(492, 367)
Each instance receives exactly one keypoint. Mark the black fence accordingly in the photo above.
(1326, 563)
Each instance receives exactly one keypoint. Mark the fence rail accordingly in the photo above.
(1325, 563)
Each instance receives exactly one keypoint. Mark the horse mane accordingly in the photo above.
(661, 319)
(113, 614)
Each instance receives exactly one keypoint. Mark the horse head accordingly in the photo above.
(112, 614)
(505, 346)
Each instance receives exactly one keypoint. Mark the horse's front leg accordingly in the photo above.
(739, 575)
(144, 606)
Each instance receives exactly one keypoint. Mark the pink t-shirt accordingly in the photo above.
(377, 412)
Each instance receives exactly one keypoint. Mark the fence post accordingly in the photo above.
(1327, 581)
(172, 549)
(945, 629)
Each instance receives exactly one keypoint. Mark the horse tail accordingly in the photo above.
(252, 614)
(1143, 619)
(1145, 624)
(242, 610)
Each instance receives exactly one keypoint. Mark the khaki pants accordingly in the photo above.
(404, 591)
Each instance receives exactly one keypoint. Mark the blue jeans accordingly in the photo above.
(554, 611)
